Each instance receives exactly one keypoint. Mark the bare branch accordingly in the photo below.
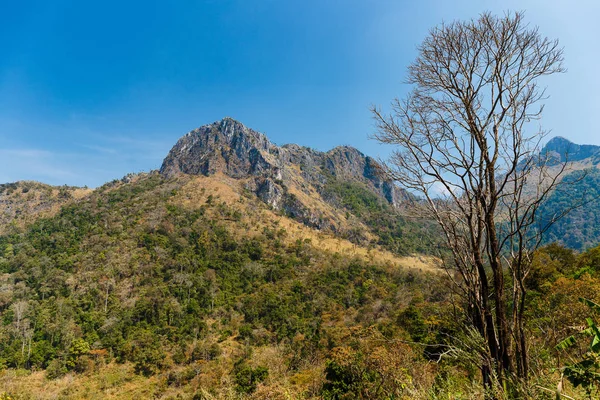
(463, 143)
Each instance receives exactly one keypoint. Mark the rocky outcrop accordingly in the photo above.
(229, 147)
(269, 192)
(226, 146)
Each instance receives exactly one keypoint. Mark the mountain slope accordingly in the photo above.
(580, 185)
(239, 267)
(240, 270)
(237, 151)
(193, 279)
(579, 229)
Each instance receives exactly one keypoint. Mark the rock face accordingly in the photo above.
(226, 146)
(271, 171)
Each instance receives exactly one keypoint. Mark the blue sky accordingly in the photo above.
(90, 91)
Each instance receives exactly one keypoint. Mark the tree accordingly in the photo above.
(465, 144)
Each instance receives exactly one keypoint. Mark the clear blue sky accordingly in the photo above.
(90, 91)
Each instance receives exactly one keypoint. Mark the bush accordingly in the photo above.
(56, 369)
(78, 349)
(181, 377)
(146, 352)
(206, 352)
(247, 378)
(84, 364)
(245, 332)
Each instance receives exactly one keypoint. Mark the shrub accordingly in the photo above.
(247, 378)
(56, 369)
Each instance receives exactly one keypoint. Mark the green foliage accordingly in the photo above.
(56, 369)
(367, 367)
(245, 332)
(393, 231)
(128, 275)
(341, 382)
(412, 320)
(579, 229)
(586, 371)
(589, 261)
(146, 352)
(247, 378)
(78, 348)
(206, 351)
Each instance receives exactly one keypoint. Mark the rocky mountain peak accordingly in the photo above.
(557, 143)
(227, 146)
(560, 149)
(230, 147)
(274, 172)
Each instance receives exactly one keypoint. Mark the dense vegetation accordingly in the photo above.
(393, 231)
(21, 203)
(130, 277)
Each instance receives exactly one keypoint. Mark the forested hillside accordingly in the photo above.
(165, 288)
(22, 202)
(580, 196)
(177, 279)
(305, 281)
(576, 201)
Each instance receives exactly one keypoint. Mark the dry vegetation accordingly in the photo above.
(23, 202)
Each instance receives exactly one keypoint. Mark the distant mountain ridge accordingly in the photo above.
(580, 228)
(341, 191)
(559, 149)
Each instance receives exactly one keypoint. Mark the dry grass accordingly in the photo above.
(211, 378)
(115, 381)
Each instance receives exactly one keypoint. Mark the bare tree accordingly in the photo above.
(466, 145)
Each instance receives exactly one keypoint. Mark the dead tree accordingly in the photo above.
(465, 143)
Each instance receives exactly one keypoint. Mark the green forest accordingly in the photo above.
(580, 228)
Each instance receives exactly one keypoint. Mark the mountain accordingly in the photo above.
(248, 270)
(580, 185)
(339, 191)
(561, 150)
(239, 269)
(288, 178)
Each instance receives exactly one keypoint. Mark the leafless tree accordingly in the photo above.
(465, 143)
